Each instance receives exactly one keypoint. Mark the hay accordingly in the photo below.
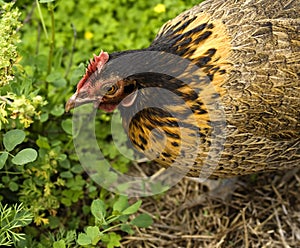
(263, 211)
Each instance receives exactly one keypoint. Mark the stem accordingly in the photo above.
(38, 39)
(112, 227)
(10, 173)
(7, 153)
(73, 50)
(52, 41)
(112, 219)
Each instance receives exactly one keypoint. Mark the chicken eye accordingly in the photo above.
(109, 89)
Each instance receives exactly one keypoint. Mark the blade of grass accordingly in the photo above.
(42, 19)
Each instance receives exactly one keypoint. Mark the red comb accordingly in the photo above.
(95, 64)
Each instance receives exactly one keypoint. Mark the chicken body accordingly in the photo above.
(234, 110)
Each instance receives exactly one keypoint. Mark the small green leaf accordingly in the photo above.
(56, 142)
(44, 117)
(60, 83)
(61, 157)
(13, 186)
(111, 239)
(42, 142)
(3, 158)
(94, 234)
(84, 239)
(56, 79)
(67, 126)
(127, 228)
(66, 201)
(53, 76)
(54, 222)
(66, 164)
(142, 220)
(59, 244)
(5, 179)
(120, 204)
(13, 138)
(25, 156)
(98, 210)
(58, 110)
(123, 218)
(66, 174)
(133, 208)
(77, 169)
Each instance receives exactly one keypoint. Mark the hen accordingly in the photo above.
(217, 92)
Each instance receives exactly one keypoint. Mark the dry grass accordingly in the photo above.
(263, 211)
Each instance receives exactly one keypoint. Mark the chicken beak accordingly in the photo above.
(77, 100)
(71, 102)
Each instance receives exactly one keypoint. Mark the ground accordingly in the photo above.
(263, 211)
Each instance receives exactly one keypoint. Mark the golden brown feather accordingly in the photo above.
(251, 52)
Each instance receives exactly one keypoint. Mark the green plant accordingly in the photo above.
(9, 24)
(10, 140)
(39, 69)
(11, 219)
(108, 219)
